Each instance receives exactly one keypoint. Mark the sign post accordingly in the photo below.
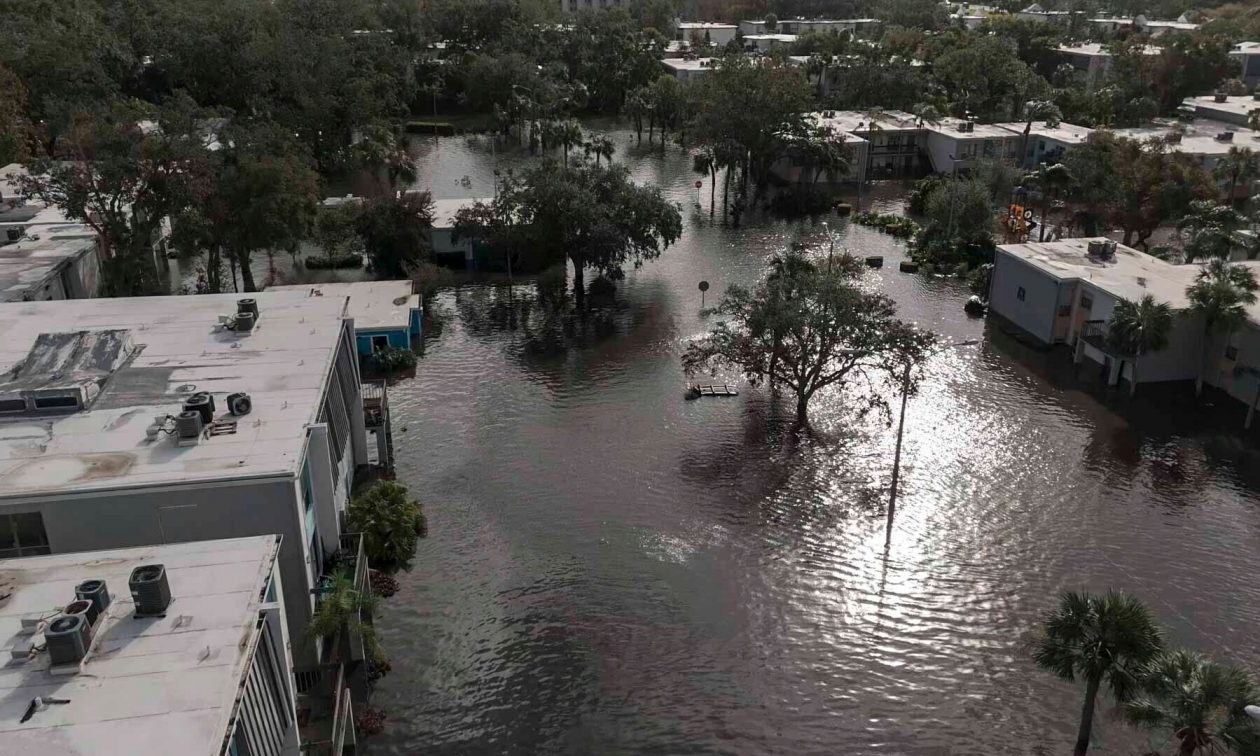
(704, 286)
(698, 185)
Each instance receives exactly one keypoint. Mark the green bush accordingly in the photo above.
(893, 225)
(331, 262)
(390, 522)
(391, 359)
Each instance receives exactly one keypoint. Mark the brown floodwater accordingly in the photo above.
(612, 570)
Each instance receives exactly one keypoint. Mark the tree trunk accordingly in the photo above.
(1203, 358)
(1023, 150)
(566, 154)
(214, 270)
(579, 285)
(1045, 208)
(1133, 374)
(1087, 718)
(726, 191)
(802, 408)
(247, 274)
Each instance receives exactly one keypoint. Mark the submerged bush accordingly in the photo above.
(391, 359)
(390, 522)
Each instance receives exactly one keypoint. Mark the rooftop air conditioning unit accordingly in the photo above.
(97, 592)
(86, 608)
(247, 305)
(1220, 97)
(67, 638)
(1172, 138)
(1108, 249)
(240, 404)
(1256, 95)
(1225, 136)
(203, 404)
(188, 427)
(150, 590)
(243, 322)
(1096, 248)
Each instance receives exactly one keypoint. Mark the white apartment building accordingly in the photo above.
(1094, 60)
(574, 6)
(145, 421)
(1047, 142)
(1235, 111)
(706, 33)
(1248, 56)
(204, 671)
(55, 262)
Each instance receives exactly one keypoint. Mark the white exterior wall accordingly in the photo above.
(1179, 361)
(1036, 312)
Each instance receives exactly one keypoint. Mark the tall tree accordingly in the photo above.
(1050, 182)
(809, 327)
(1199, 703)
(1209, 228)
(1238, 166)
(395, 232)
(1138, 328)
(1037, 110)
(1220, 296)
(124, 179)
(1100, 640)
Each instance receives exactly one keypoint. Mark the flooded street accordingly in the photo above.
(613, 570)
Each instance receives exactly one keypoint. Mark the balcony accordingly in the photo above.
(329, 728)
(1095, 334)
(377, 424)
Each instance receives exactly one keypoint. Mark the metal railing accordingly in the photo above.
(1095, 334)
(375, 403)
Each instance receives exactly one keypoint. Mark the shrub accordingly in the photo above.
(390, 522)
(331, 262)
(392, 359)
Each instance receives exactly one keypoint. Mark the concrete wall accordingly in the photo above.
(1035, 313)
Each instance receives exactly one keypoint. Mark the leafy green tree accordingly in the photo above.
(1199, 703)
(808, 328)
(984, 76)
(959, 221)
(1050, 182)
(912, 14)
(123, 181)
(1037, 110)
(395, 232)
(594, 216)
(1100, 640)
(390, 521)
(1220, 295)
(1138, 328)
(342, 610)
(1209, 228)
(16, 132)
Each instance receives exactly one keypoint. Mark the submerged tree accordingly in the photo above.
(1220, 296)
(1100, 640)
(395, 232)
(1200, 703)
(390, 522)
(809, 327)
(1139, 328)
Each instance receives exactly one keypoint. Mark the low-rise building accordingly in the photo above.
(57, 262)
(1047, 142)
(1248, 56)
(1038, 14)
(706, 33)
(447, 249)
(767, 42)
(1093, 60)
(574, 6)
(955, 145)
(160, 649)
(129, 422)
(858, 27)
(1065, 292)
(1236, 111)
(1205, 140)
(385, 313)
(688, 70)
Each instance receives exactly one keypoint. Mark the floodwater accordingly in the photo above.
(613, 570)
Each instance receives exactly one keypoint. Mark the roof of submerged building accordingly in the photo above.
(167, 349)
(372, 304)
(148, 685)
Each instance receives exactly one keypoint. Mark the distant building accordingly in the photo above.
(1038, 14)
(447, 250)
(1094, 60)
(573, 6)
(209, 675)
(688, 70)
(707, 33)
(857, 27)
(767, 42)
(1206, 140)
(54, 262)
(1065, 292)
(1248, 56)
(129, 422)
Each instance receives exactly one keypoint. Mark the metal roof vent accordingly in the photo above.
(150, 589)
(203, 404)
(188, 427)
(68, 638)
(1225, 136)
(240, 404)
(97, 592)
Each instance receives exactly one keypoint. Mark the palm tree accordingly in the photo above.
(926, 112)
(1220, 295)
(1050, 181)
(1200, 703)
(706, 162)
(600, 147)
(1099, 639)
(1037, 110)
(1140, 328)
(1210, 227)
(1238, 166)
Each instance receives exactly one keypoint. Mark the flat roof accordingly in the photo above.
(148, 685)
(444, 210)
(372, 304)
(856, 121)
(25, 265)
(705, 25)
(1129, 275)
(949, 127)
(1098, 50)
(283, 364)
(1237, 106)
(773, 37)
(1246, 48)
(1066, 133)
(1198, 137)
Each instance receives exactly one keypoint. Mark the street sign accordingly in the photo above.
(704, 286)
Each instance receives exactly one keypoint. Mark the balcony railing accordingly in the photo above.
(1095, 334)
(375, 403)
(331, 725)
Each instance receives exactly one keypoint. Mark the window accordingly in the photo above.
(1231, 353)
(1041, 146)
(1087, 302)
(1020, 294)
(57, 402)
(23, 535)
(379, 343)
(1065, 310)
(12, 405)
